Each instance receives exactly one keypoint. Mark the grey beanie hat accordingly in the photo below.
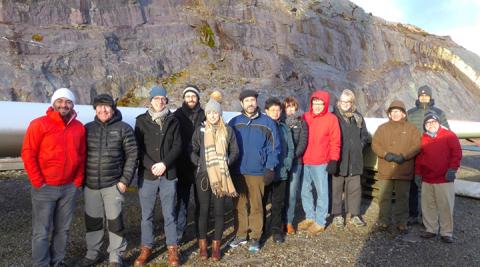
(213, 105)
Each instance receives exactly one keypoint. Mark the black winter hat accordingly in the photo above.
(428, 116)
(104, 99)
(247, 93)
(425, 90)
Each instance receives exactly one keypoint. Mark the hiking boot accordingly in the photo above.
(238, 241)
(290, 229)
(381, 227)
(357, 221)
(446, 239)
(254, 246)
(216, 252)
(87, 262)
(402, 229)
(173, 259)
(145, 253)
(427, 235)
(278, 238)
(202, 247)
(305, 224)
(338, 221)
(315, 229)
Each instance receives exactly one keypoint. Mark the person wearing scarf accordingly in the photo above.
(214, 148)
(159, 145)
(350, 166)
(436, 166)
(299, 130)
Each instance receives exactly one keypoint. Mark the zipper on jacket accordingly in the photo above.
(100, 156)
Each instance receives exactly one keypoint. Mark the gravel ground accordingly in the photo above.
(336, 247)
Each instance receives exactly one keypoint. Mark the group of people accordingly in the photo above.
(257, 159)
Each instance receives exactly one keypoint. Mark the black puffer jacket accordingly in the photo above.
(111, 152)
(354, 139)
(190, 119)
(197, 154)
(155, 145)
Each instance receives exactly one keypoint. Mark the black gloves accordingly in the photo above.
(332, 167)
(399, 159)
(268, 176)
(451, 175)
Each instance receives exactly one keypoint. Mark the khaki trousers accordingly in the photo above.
(250, 190)
(437, 207)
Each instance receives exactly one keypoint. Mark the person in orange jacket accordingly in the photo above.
(53, 153)
(436, 166)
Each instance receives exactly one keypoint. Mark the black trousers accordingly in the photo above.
(353, 194)
(275, 193)
(205, 195)
(413, 200)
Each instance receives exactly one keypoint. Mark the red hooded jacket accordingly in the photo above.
(324, 137)
(437, 155)
(53, 152)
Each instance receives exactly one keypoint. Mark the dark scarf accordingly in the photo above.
(191, 114)
(347, 116)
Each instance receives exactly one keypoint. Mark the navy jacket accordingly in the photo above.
(259, 144)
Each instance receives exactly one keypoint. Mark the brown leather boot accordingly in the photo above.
(203, 246)
(216, 253)
(173, 259)
(145, 253)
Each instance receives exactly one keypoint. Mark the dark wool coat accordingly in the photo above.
(111, 152)
(189, 119)
(155, 145)
(354, 139)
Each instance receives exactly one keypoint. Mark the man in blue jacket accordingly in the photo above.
(258, 141)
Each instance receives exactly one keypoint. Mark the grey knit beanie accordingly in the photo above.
(213, 105)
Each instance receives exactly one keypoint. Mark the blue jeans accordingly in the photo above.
(167, 191)
(315, 210)
(52, 212)
(295, 179)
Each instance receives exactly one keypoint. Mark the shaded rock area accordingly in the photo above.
(349, 246)
(280, 47)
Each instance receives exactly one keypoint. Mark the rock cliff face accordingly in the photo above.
(279, 47)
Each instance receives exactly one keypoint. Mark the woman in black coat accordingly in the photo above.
(350, 166)
(214, 149)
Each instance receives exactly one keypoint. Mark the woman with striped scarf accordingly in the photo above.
(214, 149)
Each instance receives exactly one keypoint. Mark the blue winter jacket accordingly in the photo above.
(259, 143)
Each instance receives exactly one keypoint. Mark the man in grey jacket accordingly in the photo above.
(111, 162)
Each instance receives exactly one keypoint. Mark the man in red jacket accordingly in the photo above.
(320, 159)
(53, 153)
(436, 166)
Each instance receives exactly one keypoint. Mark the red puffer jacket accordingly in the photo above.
(324, 135)
(437, 155)
(54, 152)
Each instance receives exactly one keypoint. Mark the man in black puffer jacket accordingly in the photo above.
(111, 163)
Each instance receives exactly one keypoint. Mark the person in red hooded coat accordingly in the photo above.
(320, 159)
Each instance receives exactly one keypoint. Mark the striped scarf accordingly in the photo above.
(216, 160)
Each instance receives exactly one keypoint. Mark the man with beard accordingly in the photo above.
(258, 142)
(423, 105)
(54, 156)
(190, 116)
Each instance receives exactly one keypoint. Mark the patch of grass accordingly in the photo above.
(207, 37)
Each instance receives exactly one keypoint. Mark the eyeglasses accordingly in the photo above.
(345, 102)
(432, 122)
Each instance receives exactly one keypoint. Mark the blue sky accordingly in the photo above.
(459, 19)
